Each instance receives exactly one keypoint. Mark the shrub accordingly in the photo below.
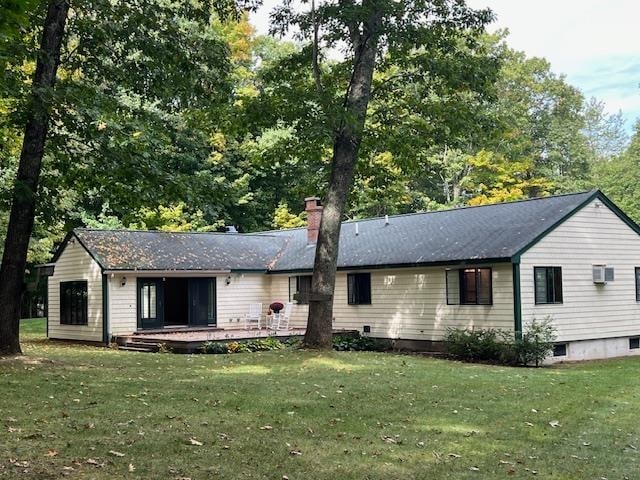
(536, 342)
(257, 345)
(478, 345)
(214, 347)
(357, 343)
(499, 346)
(237, 347)
(264, 344)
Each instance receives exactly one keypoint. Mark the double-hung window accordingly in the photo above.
(359, 288)
(548, 285)
(73, 303)
(475, 286)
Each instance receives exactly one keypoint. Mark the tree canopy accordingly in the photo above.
(199, 122)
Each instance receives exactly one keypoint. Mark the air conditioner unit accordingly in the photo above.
(602, 274)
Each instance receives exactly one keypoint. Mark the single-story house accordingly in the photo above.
(573, 258)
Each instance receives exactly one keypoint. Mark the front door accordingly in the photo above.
(202, 301)
(150, 303)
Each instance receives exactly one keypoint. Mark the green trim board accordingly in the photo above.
(105, 309)
(517, 301)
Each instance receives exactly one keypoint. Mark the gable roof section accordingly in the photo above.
(172, 251)
(470, 235)
(479, 234)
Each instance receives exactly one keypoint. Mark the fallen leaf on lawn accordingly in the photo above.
(388, 439)
(555, 423)
(95, 463)
(528, 424)
(68, 469)
(11, 420)
(131, 467)
(295, 452)
(454, 455)
(51, 453)
(474, 469)
(266, 427)
(586, 444)
(116, 454)
(193, 441)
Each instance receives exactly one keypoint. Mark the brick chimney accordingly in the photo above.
(314, 215)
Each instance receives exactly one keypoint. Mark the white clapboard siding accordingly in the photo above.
(122, 304)
(594, 235)
(233, 300)
(410, 304)
(76, 264)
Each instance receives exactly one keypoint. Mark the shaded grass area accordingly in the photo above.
(86, 412)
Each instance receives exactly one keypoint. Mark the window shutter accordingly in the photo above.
(453, 287)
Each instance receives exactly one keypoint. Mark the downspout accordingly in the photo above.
(105, 309)
(517, 298)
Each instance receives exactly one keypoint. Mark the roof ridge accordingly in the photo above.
(452, 209)
(135, 230)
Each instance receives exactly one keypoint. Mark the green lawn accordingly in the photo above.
(83, 412)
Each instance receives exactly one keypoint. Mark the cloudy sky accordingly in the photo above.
(595, 43)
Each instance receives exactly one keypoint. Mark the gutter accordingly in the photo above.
(165, 273)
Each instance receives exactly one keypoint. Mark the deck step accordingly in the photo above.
(139, 346)
(138, 349)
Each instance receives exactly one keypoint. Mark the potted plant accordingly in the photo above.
(275, 307)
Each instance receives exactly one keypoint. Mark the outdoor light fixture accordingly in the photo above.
(123, 282)
(228, 280)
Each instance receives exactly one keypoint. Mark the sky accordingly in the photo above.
(595, 43)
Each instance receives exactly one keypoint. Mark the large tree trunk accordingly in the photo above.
(23, 204)
(345, 155)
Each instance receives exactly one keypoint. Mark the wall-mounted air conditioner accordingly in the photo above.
(602, 274)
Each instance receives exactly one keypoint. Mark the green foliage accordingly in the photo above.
(499, 346)
(358, 343)
(477, 345)
(214, 347)
(246, 346)
(535, 343)
(283, 218)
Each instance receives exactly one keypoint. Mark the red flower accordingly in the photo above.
(276, 306)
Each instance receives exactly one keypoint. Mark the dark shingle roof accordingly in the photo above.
(472, 234)
(488, 232)
(153, 250)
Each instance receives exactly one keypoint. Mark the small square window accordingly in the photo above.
(366, 329)
(634, 343)
(560, 350)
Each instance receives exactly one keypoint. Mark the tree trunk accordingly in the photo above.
(23, 204)
(345, 155)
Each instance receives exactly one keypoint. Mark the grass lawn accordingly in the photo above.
(92, 413)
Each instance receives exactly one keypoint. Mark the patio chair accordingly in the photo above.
(280, 321)
(254, 316)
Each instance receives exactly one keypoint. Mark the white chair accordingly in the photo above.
(280, 320)
(254, 316)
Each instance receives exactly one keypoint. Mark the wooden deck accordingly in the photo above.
(189, 340)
